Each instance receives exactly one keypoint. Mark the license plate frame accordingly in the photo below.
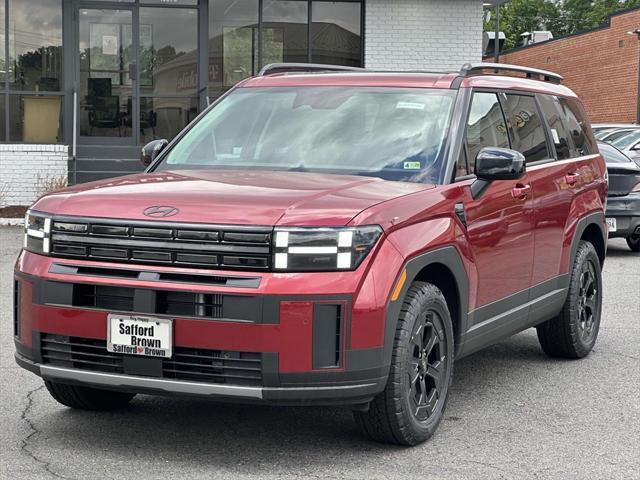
(612, 224)
(146, 341)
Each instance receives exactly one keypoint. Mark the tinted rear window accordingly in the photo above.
(527, 127)
(559, 132)
(576, 121)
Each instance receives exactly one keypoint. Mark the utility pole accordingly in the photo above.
(496, 38)
(636, 32)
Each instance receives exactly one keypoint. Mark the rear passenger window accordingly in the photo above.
(559, 132)
(486, 126)
(527, 127)
(575, 119)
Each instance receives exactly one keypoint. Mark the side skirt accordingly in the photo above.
(515, 313)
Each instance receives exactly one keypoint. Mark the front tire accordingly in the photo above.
(634, 243)
(412, 405)
(573, 333)
(86, 398)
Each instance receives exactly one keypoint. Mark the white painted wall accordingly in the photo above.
(422, 34)
(26, 169)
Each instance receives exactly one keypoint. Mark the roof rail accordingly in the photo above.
(469, 68)
(274, 68)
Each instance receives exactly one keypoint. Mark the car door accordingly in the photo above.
(499, 222)
(556, 182)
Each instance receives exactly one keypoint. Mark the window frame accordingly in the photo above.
(464, 151)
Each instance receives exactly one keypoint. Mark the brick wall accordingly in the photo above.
(26, 170)
(422, 34)
(600, 65)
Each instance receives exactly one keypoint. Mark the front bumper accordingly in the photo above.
(626, 211)
(278, 325)
(314, 395)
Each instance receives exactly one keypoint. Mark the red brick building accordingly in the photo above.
(601, 65)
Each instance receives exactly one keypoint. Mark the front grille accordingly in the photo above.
(188, 364)
(244, 248)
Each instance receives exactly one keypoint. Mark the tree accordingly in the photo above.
(561, 17)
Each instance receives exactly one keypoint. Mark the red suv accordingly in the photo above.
(324, 236)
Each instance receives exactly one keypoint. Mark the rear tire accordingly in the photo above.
(86, 398)
(573, 333)
(634, 243)
(413, 402)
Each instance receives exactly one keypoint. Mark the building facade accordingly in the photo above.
(601, 65)
(85, 83)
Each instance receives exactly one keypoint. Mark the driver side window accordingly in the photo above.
(486, 126)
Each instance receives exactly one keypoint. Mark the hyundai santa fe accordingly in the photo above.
(324, 236)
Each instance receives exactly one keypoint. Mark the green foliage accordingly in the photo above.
(561, 17)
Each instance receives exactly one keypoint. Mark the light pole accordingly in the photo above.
(636, 32)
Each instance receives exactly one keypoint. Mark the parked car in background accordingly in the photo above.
(623, 203)
(600, 128)
(629, 144)
(610, 136)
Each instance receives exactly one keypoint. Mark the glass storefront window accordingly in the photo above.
(284, 31)
(168, 51)
(170, 2)
(165, 117)
(233, 45)
(336, 33)
(106, 90)
(35, 45)
(3, 67)
(35, 118)
(3, 127)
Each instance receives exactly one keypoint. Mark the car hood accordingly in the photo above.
(230, 197)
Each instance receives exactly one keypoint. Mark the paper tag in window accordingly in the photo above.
(556, 138)
(412, 165)
(237, 151)
(410, 105)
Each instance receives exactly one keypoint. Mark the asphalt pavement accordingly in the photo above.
(512, 414)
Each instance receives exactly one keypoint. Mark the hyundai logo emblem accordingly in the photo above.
(160, 211)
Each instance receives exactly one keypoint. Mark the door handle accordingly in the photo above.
(520, 191)
(571, 178)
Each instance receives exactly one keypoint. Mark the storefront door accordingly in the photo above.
(107, 76)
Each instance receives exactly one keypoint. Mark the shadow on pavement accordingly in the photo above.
(229, 436)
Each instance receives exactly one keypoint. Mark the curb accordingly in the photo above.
(11, 222)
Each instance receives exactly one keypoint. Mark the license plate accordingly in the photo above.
(136, 335)
(611, 222)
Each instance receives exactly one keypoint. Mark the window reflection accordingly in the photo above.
(336, 33)
(165, 117)
(35, 45)
(284, 32)
(486, 126)
(168, 51)
(233, 45)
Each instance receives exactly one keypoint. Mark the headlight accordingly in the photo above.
(322, 249)
(37, 232)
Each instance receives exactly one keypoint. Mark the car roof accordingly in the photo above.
(405, 80)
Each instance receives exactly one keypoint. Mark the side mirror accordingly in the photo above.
(151, 150)
(493, 163)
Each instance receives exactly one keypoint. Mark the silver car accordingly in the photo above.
(629, 144)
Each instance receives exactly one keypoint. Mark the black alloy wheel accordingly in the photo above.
(410, 408)
(587, 302)
(574, 331)
(427, 365)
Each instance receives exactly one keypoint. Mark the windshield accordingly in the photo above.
(396, 134)
(627, 140)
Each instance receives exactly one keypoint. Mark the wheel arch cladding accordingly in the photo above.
(591, 229)
(444, 268)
